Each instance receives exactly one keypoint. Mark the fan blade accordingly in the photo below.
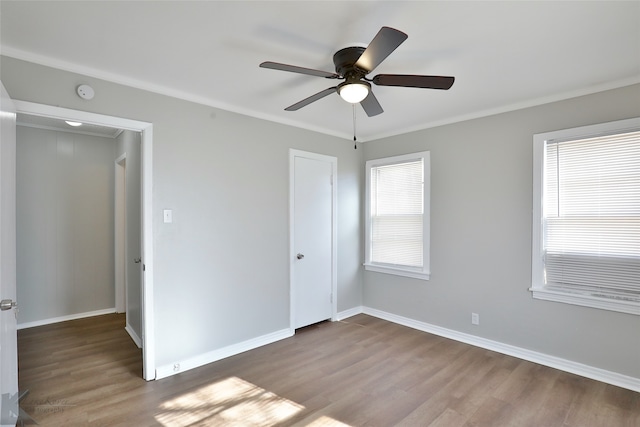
(408, 80)
(300, 70)
(385, 42)
(371, 105)
(312, 98)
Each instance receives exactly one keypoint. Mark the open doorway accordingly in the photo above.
(145, 259)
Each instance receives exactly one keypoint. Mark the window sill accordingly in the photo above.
(414, 274)
(587, 300)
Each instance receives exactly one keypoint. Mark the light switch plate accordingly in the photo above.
(168, 216)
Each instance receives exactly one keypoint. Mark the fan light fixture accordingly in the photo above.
(354, 92)
(74, 124)
(353, 64)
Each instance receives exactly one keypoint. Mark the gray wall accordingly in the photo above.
(128, 143)
(226, 178)
(222, 268)
(481, 202)
(64, 224)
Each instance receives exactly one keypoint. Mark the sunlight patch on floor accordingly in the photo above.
(325, 421)
(229, 402)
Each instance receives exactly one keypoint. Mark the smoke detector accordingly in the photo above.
(85, 92)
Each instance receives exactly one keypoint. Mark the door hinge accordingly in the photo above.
(144, 267)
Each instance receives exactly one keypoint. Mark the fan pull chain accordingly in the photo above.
(355, 146)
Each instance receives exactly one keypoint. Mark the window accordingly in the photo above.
(397, 215)
(586, 221)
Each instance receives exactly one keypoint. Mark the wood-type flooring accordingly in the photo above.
(362, 371)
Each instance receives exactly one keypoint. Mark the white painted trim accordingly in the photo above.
(589, 130)
(148, 319)
(222, 353)
(198, 99)
(587, 300)
(77, 132)
(8, 340)
(334, 230)
(61, 113)
(66, 318)
(132, 333)
(350, 312)
(597, 88)
(334, 238)
(148, 336)
(587, 371)
(539, 289)
(424, 272)
(397, 271)
(163, 90)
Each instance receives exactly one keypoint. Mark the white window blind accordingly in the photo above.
(396, 214)
(591, 216)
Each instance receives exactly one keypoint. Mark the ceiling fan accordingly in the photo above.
(354, 63)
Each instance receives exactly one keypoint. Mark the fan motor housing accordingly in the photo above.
(345, 59)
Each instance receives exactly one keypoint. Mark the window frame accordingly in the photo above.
(538, 288)
(423, 273)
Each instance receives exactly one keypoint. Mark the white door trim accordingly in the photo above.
(146, 129)
(8, 337)
(334, 233)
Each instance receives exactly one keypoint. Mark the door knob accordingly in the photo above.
(137, 260)
(300, 256)
(7, 304)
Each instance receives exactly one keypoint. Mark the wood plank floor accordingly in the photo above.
(360, 372)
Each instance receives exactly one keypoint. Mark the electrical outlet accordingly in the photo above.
(475, 319)
(176, 367)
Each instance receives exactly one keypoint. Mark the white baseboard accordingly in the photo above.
(587, 371)
(132, 333)
(64, 318)
(213, 356)
(350, 312)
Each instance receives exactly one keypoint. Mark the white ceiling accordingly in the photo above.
(504, 55)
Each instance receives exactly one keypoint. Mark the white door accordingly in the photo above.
(134, 239)
(8, 335)
(313, 237)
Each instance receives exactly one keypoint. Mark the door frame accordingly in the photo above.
(9, 393)
(293, 153)
(146, 130)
